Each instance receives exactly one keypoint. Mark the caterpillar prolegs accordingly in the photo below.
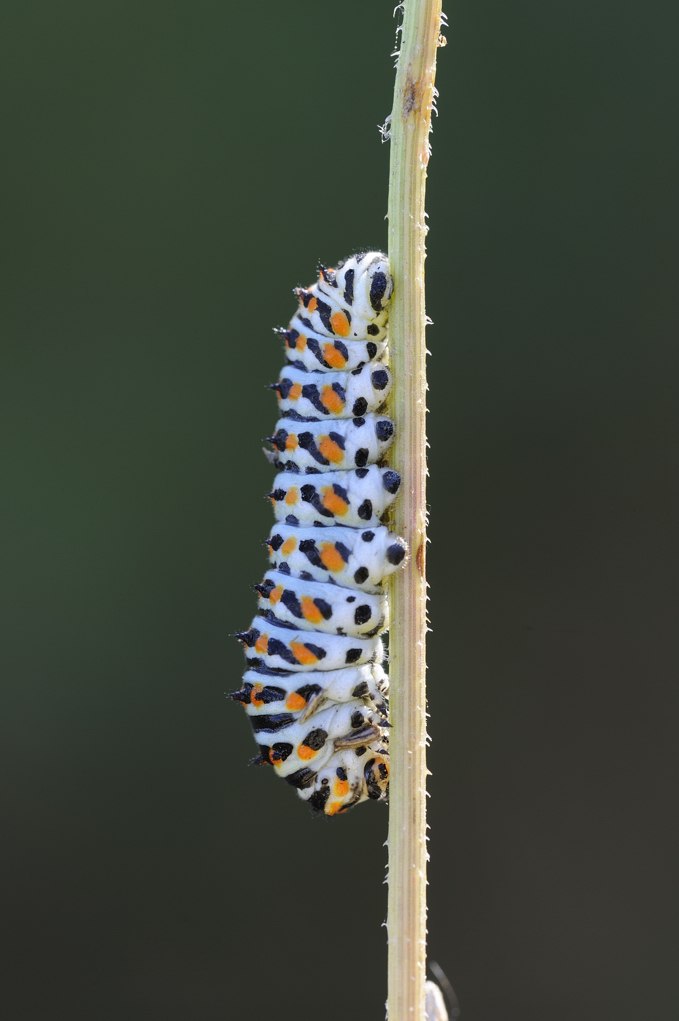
(315, 690)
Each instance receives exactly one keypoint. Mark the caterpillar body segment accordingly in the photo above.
(308, 350)
(273, 691)
(358, 558)
(320, 606)
(276, 644)
(356, 499)
(289, 744)
(351, 776)
(307, 396)
(336, 445)
(314, 689)
(319, 316)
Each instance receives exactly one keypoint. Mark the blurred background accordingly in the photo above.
(171, 171)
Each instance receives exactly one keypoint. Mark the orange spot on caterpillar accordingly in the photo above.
(262, 643)
(333, 357)
(254, 693)
(313, 304)
(275, 594)
(340, 324)
(334, 807)
(330, 558)
(295, 392)
(311, 611)
(291, 442)
(334, 503)
(292, 496)
(331, 400)
(305, 752)
(295, 701)
(331, 450)
(289, 546)
(340, 788)
(302, 654)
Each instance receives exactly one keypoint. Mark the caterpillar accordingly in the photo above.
(315, 690)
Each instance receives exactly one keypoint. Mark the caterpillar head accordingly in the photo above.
(365, 285)
(376, 280)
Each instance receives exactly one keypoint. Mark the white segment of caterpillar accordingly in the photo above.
(315, 690)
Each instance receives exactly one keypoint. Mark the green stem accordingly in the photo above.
(410, 127)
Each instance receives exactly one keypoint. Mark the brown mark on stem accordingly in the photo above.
(419, 559)
(412, 95)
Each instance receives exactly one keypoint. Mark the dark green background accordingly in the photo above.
(173, 170)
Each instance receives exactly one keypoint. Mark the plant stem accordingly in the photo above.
(410, 126)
